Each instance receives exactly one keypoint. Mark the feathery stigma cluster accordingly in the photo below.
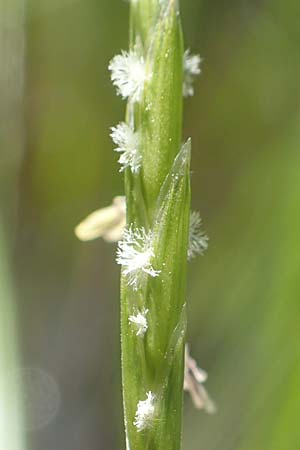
(198, 240)
(135, 253)
(140, 322)
(144, 413)
(191, 67)
(128, 74)
(127, 143)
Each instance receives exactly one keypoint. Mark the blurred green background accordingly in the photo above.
(57, 165)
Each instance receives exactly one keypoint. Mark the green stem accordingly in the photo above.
(158, 199)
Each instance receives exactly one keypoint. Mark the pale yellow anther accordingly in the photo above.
(107, 223)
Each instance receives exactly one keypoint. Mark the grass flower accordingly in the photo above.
(135, 252)
(127, 143)
(198, 240)
(128, 74)
(157, 235)
(144, 413)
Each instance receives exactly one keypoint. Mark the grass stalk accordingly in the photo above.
(153, 252)
(153, 76)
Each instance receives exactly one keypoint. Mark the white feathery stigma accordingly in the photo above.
(140, 322)
(198, 240)
(135, 252)
(127, 143)
(128, 74)
(144, 413)
(191, 67)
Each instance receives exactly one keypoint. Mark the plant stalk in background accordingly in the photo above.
(12, 435)
(12, 54)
